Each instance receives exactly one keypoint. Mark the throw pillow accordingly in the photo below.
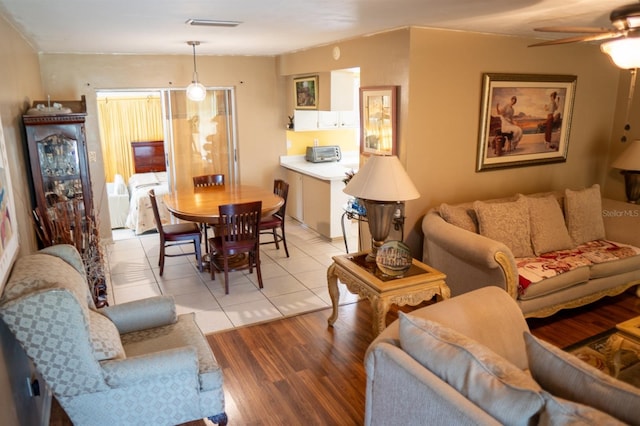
(568, 377)
(459, 216)
(105, 338)
(583, 211)
(560, 412)
(479, 374)
(508, 223)
(548, 230)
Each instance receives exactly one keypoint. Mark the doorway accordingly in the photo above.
(199, 137)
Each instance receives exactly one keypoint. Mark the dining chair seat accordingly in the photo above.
(237, 234)
(270, 225)
(175, 235)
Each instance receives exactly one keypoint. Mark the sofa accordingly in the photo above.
(470, 360)
(549, 251)
(132, 363)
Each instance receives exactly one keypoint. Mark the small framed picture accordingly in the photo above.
(378, 120)
(305, 90)
(525, 120)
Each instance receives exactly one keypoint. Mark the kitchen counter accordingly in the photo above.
(316, 196)
(335, 170)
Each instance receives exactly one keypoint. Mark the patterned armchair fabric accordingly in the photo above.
(134, 363)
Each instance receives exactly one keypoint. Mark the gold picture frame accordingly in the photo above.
(525, 120)
(305, 92)
(378, 115)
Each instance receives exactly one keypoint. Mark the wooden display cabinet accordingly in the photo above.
(62, 183)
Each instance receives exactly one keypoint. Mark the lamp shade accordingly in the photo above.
(624, 52)
(382, 178)
(629, 159)
(196, 92)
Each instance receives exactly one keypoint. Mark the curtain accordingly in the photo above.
(123, 120)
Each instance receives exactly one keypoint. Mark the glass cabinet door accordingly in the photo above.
(59, 169)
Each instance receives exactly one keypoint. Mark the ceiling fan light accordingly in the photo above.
(196, 92)
(624, 52)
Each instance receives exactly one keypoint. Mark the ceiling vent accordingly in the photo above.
(212, 23)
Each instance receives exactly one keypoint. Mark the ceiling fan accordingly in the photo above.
(624, 19)
(622, 43)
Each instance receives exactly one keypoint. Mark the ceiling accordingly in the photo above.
(272, 27)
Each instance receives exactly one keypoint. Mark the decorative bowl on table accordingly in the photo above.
(394, 258)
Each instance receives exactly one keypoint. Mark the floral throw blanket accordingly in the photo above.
(547, 265)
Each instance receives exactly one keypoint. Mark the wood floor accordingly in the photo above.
(299, 371)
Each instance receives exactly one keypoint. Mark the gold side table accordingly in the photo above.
(419, 284)
(625, 341)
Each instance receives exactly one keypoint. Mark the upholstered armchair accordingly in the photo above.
(133, 363)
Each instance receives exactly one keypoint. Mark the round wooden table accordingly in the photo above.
(201, 204)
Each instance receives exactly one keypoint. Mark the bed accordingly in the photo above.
(150, 173)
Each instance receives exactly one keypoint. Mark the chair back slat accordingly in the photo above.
(239, 223)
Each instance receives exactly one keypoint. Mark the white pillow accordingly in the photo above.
(479, 374)
(120, 187)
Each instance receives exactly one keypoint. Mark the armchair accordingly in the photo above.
(133, 363)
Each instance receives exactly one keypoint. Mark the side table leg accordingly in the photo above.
(380, 307)
(334, 293)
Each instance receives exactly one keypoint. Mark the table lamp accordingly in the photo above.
(381, 183)
(629, 164)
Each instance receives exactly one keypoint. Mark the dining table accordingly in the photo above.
(200, 204)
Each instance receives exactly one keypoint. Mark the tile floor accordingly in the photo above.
(291, 285)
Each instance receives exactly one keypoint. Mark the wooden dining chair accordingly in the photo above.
(237, 234)
(269, 225)
(207, 180)
(174, 235)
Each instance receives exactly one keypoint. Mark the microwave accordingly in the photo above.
(323, 154)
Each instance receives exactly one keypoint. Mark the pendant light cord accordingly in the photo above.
(195, 70)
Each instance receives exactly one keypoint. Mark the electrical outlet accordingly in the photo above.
(33, 387)
(92, 157)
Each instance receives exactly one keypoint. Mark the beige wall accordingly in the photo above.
(440, 78)
(261, 124)
(614, 181)
(19, 84)
(439, 74)
(444, 117)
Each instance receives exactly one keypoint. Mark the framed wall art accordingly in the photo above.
(378, 125)
(305, 90)
(8, 224)
(525, 119)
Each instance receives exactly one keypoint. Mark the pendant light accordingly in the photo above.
(195, 91)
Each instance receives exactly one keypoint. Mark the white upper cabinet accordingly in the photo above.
(337, 103)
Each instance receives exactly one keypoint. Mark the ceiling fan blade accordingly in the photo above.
(573, 30)
(594, 37)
